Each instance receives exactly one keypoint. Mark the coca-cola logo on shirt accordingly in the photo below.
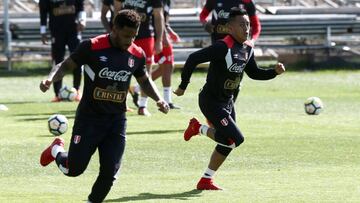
(121, 75)
(223, 14)
(236, 68)
(135, 3)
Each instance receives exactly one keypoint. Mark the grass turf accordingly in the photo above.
(287, 155)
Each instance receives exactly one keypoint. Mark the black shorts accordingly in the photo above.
(222, 116)
(103, 132)
(60, 40)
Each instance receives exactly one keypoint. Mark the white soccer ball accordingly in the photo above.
(67, 94)
(313, 105)
(57, 124)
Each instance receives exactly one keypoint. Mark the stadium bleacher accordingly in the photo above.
(292, 27)
(189, 27)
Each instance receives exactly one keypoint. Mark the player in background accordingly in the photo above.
(220, 13)
(150, 10)
(67, 19)
(165, 59)
(100, 122)
(108, 6)
(229, 59)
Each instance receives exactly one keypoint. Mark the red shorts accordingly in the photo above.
(147, 44)
(166, 56)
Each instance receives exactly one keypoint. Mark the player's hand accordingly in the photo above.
(279, 68)
(166, 41)
(175, 37)
(163, 106)
(45, 85)
(44, 39)
(252, 41)
(179, 92)
(209, 27)
(80, 26)
(158, 46)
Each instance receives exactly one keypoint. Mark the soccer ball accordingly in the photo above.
(57, 124)
(313, 105)
(67, 94)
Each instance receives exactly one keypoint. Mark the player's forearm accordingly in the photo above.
(117, 6)
(204, 14)
(57, 72)
(79, 6)
(196, 58)
(169, 30)
(150, 89)
(43, 13)
(255, 26)
(256, 73)
(188, 69)
(105, 23)
(159, 23)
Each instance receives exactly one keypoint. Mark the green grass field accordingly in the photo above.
(287, 155)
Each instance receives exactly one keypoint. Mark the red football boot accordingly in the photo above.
(207, 184)
(46, 156)
(142, 111)
(192, 130)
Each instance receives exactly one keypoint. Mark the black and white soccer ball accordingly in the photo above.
(57, 124)
(313, 106)
(67, 94)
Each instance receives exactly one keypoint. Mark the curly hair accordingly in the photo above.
(128, 18)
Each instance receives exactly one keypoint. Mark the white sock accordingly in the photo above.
(143, 101)
(137, 88)
(56, 149)
(203, 130)
(167, 94)
(208, 173)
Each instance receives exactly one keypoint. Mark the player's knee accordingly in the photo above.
(225, 151)
(74, 172)
(238, 140)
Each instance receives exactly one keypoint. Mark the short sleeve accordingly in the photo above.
(156, 3)
(141, 69)
(82, 53)
(210, 5)
(250, 8)
(107, 2)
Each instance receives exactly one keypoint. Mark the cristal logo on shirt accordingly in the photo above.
(121, 75)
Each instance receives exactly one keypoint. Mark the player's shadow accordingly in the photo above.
(151, 196)
(65, 113)
(41, 118)
(153, 132)
(23, 102)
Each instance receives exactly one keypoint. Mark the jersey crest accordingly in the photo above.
(131, 62)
